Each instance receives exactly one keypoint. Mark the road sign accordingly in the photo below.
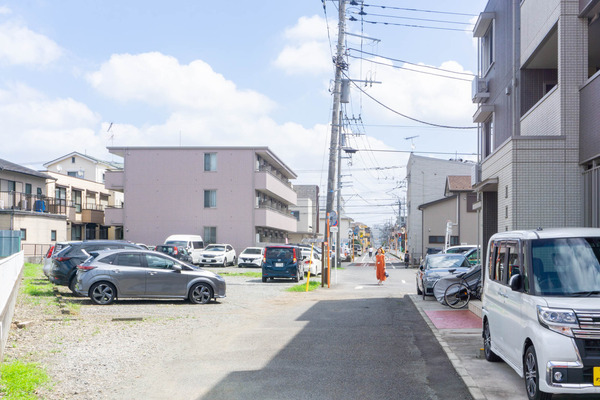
(333, 229)
(333, 221)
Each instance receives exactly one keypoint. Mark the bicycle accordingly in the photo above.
(458, 294)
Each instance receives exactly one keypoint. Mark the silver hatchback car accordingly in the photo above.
(111, 274)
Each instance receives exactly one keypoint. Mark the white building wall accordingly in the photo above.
(537, 18)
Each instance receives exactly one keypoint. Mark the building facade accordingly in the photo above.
(538, 92)
(426, 182)
(235, 195)
(306, 212)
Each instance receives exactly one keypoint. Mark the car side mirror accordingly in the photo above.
(516, 282)
(176, 267)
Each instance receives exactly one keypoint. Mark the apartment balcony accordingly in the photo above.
(543, 119)
(114, 180)
(589, 95)
(35, 204)
(114, 216)
(272, 218)
(265, 181)
(92, 214)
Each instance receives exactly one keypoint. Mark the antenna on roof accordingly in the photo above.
(412, 143)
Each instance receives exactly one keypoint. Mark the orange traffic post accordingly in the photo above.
(309, 264)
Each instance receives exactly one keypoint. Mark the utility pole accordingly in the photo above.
(340, 65)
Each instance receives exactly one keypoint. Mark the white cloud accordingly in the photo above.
(307, 50)
(423, 95)
(45, 127)
(21, 46)
(5, 10)
(160, 80)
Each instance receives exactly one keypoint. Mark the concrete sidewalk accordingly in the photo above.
(459, 334)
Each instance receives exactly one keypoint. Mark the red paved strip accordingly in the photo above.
(454, 319)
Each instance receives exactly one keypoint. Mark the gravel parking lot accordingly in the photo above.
(96, 348)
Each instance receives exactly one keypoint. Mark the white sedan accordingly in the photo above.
(218, 254)
(251, 257)
(313, 265)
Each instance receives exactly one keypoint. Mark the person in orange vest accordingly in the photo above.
(380, 267)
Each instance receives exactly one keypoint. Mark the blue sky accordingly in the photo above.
(239, 73)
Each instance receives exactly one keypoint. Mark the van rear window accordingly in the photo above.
(280, 253)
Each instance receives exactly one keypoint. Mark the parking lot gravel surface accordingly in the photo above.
(96, 349)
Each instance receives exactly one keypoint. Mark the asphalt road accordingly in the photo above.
(355, 340)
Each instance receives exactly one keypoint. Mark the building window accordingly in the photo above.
(77, 200)
(28, 188)
(487, 49)
(12, 186)
(72, 160)
(437, 239)
(506, 212)
(210, 199)
(296, 214)
(210, 235)
(488, 134)
(39, 191)
(210, 161)
(103, 232)
(23, 234)
(53, 236)
(72, 173)
(76, 232)
(471, 200)
(506, 192)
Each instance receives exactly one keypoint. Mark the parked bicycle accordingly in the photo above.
(455, 291)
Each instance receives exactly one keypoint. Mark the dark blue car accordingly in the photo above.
(282, 261)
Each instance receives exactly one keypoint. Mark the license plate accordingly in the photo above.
(279, 264)
(596, 376)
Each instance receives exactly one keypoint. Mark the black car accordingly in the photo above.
(178, 252)
(65, 262)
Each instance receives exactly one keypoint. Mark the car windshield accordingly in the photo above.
(177, 242)
(446, 261)
(252, 251)
(214, 248)
(566, 266)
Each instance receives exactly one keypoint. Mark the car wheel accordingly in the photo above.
(72, 284)
(297, 277)
(532, 378)
(423, 293)
(419, 291)
(224, 262)
(103, 293)
(200, 293)
(234, 262)
(487, 344)
(264, 278)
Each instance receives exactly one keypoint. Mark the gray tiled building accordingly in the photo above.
(538, 95)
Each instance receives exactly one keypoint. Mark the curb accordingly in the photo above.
(456, 363)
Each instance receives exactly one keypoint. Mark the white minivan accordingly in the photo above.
(193, 244)
(541, 308)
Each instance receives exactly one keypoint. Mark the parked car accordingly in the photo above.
(130, 273)
(47, 259)
(282, 261)
(473, 256)
(194, 244)
(461, 249)
(65, 262)
(177, 252)
(218, 254)
(251, 257)
(312, 265)
(436, 266)
(541, 308)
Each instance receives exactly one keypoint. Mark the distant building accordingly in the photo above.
(236, 195)
(456, 208)
(306, 212)
(25, 207)
(426, 182)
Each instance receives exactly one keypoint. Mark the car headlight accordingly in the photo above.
(558, 320)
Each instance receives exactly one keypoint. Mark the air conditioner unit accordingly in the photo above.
(479, 90)
(475, 174)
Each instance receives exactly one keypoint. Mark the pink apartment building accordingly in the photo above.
(235, 195)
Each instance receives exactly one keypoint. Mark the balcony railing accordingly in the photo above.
(33, 202)
(271, 171)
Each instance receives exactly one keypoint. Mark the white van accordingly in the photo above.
(541, 308)
(193, 243)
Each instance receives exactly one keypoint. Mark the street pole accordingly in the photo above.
(339, 191)
(335, 115)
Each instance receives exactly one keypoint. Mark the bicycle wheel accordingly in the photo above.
(457, 295)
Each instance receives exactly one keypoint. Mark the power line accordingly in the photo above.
(414, 19)
(404, 115)
(412, 70)
(420, 10)
(411, 26)
(411, 63)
